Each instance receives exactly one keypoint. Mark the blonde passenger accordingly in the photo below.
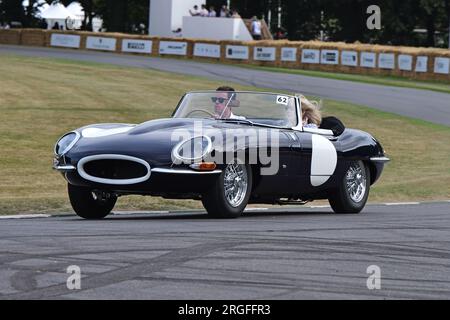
(311, 117)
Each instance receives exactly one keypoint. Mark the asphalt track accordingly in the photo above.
(307, 253)
(421, 104)
(302, 253)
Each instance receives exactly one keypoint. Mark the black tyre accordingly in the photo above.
(352, 194)
(229, 194)
(90, 205)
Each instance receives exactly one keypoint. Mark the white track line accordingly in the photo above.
(123, 213)
(26, 216)
(126, 213)
(401, 203)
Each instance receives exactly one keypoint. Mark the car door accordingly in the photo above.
(280, 180)
(314, 160)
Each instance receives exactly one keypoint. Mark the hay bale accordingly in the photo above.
(187, 49)
(139, 47)
(409, 55)
(107, 35)
(227, 54)
(309, 45)
(209, 47)
(10, 36)
(268, 47)
(33, 37)
(290, 46)
(48, 37)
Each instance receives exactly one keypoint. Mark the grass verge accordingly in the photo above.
(41, 99)
(437, 86)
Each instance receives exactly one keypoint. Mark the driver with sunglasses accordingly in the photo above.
(223, 101)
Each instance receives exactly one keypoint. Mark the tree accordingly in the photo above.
(124, 16)
(30, 10)
(12, 11)
(302, 19)
(447, 10)
(89, 14)
(343, 20)
(431, 9)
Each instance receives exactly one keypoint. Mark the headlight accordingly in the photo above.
(191, 150)
(66, 142)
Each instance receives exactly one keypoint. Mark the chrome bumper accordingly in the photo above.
(65, 168)
(380, 159)
(184, 171)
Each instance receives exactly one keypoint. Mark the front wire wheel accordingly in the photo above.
(229, 194)
(235, 184)
(353, 191)
(90, 204)
(356, 182)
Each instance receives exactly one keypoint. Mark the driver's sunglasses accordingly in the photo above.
(220, 100)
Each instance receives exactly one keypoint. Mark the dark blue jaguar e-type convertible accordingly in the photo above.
(226, 149)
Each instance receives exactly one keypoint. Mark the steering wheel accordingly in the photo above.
(200, 110)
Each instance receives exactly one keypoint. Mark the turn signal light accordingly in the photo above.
(203, 166)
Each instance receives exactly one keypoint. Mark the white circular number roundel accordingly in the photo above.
(70, 23)
(324, 160)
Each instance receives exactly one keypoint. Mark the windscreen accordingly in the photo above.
(260, 108)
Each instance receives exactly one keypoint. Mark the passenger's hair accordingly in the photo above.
(310, 111)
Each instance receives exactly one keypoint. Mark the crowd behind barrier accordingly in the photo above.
(410, 62)
(224, 12)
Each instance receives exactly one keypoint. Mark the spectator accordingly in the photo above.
(212, 12)
(256, 28)
(177, 33)
(280, 34)
(43, 24)
(4, 25)
(235, 14)
(204, 12)
(311, 116)
(196, 12)
(224, 12)
(142, 28)
(56, 26)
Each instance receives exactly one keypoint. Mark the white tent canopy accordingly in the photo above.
(57, 13)
(76, 9)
